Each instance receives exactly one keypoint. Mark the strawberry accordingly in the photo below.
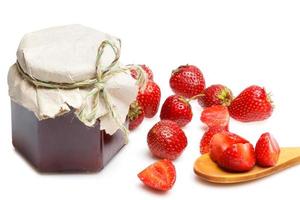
(166, 140)
(160, 176)
(146, 69)
(177, 109)
(135, 115)
(267, 150)
(206, 138)
(252, 104)
(215, 116)
(239, 157)
(149, 99)
(215, 95)
(187, 81)
(221, 141)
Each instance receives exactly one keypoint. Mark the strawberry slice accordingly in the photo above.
(267, 150)
(160, 176)
(221, 141)
(215, 116)
(238, 158)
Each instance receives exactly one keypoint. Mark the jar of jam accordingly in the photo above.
(69, 99)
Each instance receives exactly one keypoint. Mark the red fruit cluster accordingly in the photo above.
(230, 151)
(166, 140)
(187, 81)
(252, 104)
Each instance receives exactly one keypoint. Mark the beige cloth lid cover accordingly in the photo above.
(67, 54)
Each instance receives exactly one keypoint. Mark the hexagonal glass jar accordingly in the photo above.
(62, 144)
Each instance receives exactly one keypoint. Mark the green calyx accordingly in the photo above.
(134, 110)
(225, 96)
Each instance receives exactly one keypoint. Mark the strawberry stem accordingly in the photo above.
(269, 99)
(195, 97)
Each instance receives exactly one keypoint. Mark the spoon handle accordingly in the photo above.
(288, 156)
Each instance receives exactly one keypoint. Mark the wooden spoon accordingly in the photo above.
(208, 170)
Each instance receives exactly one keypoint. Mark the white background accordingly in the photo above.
(237, 43)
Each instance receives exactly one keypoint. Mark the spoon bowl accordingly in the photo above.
(208, 170)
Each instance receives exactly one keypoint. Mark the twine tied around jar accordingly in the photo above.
(98, 91)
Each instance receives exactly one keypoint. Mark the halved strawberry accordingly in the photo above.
(267, 150)
(206, 138)
(160, 176)
(221, 141)
(215, 116)
(238, 158)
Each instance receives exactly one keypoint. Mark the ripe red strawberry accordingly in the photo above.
(239, 157)
(135, 115)
(146, 69)
(215, 116)
(215, 95)
(221, 141)
(252, 104)
(160, 176)
(206, 138)
(166, 140)
(187, 81)
(267, 150)
(149, 99)
(177, 109)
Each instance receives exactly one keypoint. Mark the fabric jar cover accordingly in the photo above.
(68, 54)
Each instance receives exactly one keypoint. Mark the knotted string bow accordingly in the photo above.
(87, 115)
